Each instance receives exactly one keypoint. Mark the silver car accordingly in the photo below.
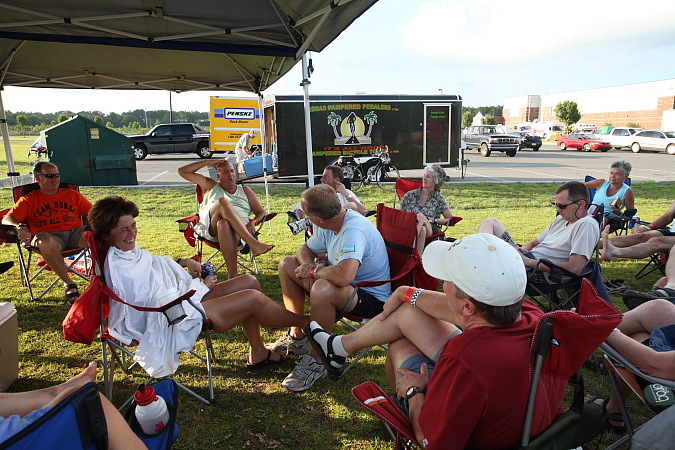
(654, 140)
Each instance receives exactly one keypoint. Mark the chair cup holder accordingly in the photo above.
(174, 312)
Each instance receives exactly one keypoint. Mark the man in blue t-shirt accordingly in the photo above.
(355, 252)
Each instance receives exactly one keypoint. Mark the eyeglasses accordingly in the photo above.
(50, 175)
(562, 206)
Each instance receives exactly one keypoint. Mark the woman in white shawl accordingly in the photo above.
(137, 276)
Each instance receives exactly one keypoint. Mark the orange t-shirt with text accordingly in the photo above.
(48, 213)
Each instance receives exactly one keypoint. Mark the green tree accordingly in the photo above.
(629, 124)
(467, 118)
(568, 113)
(98, 120)
(22, 120)
(488, 120)
(110, 125)
(63, 117)
(334, 121)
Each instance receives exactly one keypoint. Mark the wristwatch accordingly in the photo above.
(413, 391)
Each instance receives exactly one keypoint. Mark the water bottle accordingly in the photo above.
(151, 411)
(636, 221)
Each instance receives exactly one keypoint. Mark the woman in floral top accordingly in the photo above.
(429, 204)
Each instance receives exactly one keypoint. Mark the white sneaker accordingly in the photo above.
(288, 345)
(307, 372)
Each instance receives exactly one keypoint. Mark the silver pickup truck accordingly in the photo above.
(489, 138)
(620, 136)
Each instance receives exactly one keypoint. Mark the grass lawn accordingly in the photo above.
(252, 409)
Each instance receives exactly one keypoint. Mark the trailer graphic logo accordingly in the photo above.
(352, 129)
(236, 113)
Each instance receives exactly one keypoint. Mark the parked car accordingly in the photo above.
(620, 136)
(654, 140)
(527, 140)
(489, 138)
(173, 138)
(585, 142)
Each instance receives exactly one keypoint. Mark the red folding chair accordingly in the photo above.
(186, 226)
(562, 342)
(78, 260)
(90, 312)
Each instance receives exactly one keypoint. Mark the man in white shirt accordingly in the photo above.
(569, 241)
(332, 176)
(242, 150)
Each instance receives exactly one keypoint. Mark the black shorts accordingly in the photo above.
(666, 232)
(367, 306)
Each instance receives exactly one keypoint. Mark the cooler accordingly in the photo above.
(254, 166)
(9, 345)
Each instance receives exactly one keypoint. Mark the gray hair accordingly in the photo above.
(37, 169)
(498, 316)
(439, 175)
(623, 166)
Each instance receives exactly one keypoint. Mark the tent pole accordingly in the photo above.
(308, 121)
(264, 152)
(11, 171)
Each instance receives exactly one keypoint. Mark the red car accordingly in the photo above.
(585, 142)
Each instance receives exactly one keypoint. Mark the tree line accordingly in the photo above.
(34, 122)
(489, 113)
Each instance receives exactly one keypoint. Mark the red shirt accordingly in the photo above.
(48, 213)
(478, 392)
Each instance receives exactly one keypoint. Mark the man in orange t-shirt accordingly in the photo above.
(51, 220)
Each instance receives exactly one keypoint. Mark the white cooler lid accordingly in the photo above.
(6, 310)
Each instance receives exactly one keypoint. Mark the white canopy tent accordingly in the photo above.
(162, 44)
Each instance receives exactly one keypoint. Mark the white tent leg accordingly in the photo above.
(308, 121)
(11, 171)
(264, 152)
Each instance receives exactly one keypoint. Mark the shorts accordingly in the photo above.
(414, 363)
(666, 232)
(663, 339)
(68, 240)
(202, 227)
(367, 305)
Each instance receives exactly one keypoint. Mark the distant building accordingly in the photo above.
(652, 105)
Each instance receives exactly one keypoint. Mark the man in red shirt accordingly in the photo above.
(460, 388)
(51, 219)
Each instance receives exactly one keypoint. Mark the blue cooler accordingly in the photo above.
(254, 166)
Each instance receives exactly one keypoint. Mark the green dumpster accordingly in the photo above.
(89, 154)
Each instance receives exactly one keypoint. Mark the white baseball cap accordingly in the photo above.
(482, 265)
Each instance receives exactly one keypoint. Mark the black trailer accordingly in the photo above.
(417, 129)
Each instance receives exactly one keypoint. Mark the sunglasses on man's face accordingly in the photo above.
(562, 206)
(50, 175)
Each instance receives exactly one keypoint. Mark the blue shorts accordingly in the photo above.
(663, 339)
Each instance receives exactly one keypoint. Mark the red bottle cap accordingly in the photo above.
(145, 395)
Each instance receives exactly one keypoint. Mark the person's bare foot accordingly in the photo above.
(262, 249)
(608, 250)
(84, 377)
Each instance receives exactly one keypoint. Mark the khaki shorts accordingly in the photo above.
(69, 240)
(202, 227)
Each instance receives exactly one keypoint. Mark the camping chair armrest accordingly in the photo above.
(454, 220)
(557, 273)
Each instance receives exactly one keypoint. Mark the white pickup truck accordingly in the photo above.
(620, 136)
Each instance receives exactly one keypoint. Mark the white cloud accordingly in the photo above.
(485, 31)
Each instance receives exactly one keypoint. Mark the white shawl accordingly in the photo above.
(137, 276)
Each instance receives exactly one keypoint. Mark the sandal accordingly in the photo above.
(72, 293)
(267, 361)
(616, 286)
(633, 299)
(332, 362)
(596, 363)
(607, 416)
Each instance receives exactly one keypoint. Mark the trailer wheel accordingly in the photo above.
(484, 150)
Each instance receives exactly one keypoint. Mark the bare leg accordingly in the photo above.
(647, 318)
(293, 291)
(229, 242)
(224, 210)
(653, 245)
(492, 226)
(50, 249)
(120, 436)
(423, 230)
(399, 352)
(633, 239)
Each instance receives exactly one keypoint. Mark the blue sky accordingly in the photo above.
(483, 50)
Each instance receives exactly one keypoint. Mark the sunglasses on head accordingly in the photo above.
(50, 175)
(562, 206)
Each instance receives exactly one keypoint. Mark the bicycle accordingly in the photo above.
(382, 171)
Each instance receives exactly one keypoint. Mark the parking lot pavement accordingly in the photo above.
(548, 165)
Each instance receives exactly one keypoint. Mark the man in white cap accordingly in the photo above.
(241, 151)
(478, 392)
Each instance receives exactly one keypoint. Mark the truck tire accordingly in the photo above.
(563, 146)
(484, 150)
(204, 152)
(140, 153)
(671, 149)
(511, 153)
(635, 147)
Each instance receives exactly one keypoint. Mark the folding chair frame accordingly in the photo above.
(612, 357)
(26, 252)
